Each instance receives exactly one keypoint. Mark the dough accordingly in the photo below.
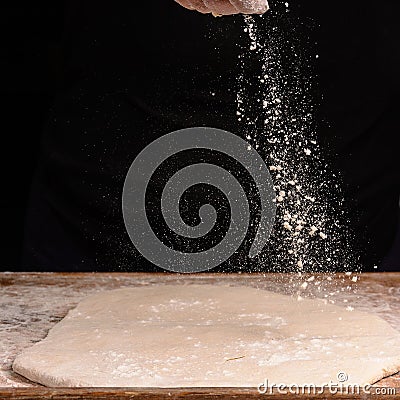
(210, 336)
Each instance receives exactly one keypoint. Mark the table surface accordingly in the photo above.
(31, 304)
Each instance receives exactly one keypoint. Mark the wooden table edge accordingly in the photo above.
(183, 393)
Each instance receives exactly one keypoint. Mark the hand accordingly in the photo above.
(226, 7)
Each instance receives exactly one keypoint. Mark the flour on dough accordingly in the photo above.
(209, 336)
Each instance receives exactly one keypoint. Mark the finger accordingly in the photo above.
(185, 3)
(199, 6)
(250, 6)
(220, 7)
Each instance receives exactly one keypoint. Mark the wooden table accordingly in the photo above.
(30, 304)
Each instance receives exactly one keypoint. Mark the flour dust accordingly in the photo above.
(277, 109)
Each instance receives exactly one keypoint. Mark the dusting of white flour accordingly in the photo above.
(310, 230)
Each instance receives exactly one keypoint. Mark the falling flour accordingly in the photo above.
(277, 110)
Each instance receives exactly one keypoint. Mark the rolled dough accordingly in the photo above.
(210, 336)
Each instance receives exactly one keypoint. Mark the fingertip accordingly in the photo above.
(251, 7)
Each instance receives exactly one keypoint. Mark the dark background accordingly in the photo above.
(53, 49)
(31, 73)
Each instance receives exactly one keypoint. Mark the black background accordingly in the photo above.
(31, 72)
(57, 54)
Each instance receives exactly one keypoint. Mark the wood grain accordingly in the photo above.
(177, 394)
(30, 304)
